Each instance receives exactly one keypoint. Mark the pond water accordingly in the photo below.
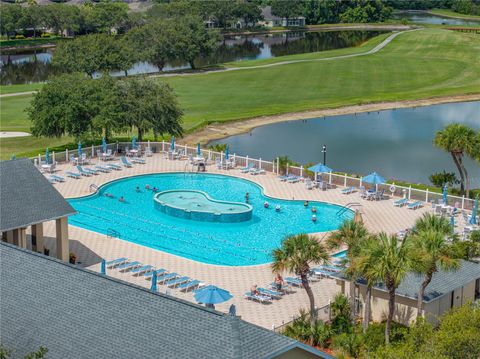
(33, 66)
(420, 17)
(396, 143)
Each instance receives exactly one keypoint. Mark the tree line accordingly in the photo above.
(467, 7)
(83, 108)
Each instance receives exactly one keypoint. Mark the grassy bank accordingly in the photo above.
(453, 14)
(7, 89)
(419, 64)
(30, 41)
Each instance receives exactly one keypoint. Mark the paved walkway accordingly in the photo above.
(90, 247)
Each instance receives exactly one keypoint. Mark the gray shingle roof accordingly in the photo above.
(442, 282)
(77, 313)
(26, 196)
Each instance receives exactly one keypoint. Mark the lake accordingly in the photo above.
(33, 66)
(396, 143)
(421, 17)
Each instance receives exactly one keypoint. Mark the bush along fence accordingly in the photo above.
(343, 180)
(324, 314)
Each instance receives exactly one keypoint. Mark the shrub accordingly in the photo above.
(342, 317)
(45, 35)
(375, 335)
(19, 37)
(300, 329)
(350, 344)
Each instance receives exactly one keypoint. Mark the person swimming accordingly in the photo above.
(247, 197)
(121, 199)
(314, 218)
(109, 195)
(265, 204)
(154, 189)
(137, 189)
(147, 187)
(305, 204)
(277, 208)
(314, 209)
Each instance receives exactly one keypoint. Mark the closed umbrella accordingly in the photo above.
(444, 194)
(374, 178)
(47, 156)
(104, 145)
(226, 152)
(199, 152)
(134, 142)
(153, 288)
(172, 145)
(212, 295)
(79, 150)
(102, 268)
(452, 221)
(473, 219)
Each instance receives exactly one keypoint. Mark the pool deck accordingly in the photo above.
(90, 247)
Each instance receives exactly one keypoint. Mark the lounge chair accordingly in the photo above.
(114, 166)
(57, 178)
(415, 205)
(274, 294)
(138, 160)
(348, 190)
(294, 281)
(258, 171)
(125, 162)
(140, 270)
(148, 152)
(247, 169)
(167, 277)
(73, 175)
(258, 297)
(83, 172)
(91, 170)
(308, 184)
(148, 275)
(127, 266)
(185, 287)
(400, 202)
(174, 282)
(116, 262)
(103, 169)
(283, 178)
(51, 180)
(294, 179)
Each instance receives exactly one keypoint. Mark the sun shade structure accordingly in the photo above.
(320, 168)
(374, 178)
(212, 295)
(37, 310)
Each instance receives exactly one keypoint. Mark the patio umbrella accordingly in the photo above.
(134, 142)
(212, 295)
(319, 168)
(172, 145)
(374, 178)
(153, 288)
(226, 152)
(199, 152)
(444, 194)
(47, 156)
(79, 150)
(104, 145)
(473, 219)
(102, 268)
(452, 221)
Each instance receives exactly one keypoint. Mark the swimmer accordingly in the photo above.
(121, 199)
(247, 197)
(108, 195)
(137, 189)
(277, 208)
(147, 187)
(305, 204)
(314, 218)
(314, 209)
(154, 189)
(265, 204)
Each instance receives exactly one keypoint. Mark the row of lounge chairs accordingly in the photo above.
(290, 178)
(252, 170)
(404, 202)
(164, 277)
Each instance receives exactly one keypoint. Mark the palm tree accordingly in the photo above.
(295, 255)
(350, 234)
(364, 264)
(458, 140)
(391, 263)
(430, 250)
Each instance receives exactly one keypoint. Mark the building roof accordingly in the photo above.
(77, 313)
(268, 16)
(26, 196)
(442, 282)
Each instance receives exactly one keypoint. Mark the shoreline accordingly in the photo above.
(222, 130)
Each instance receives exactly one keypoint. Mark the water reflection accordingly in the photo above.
(396, 143)
(22, 67)
(420, 17)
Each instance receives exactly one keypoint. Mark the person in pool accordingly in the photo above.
(137, 189)
(109, 195)
(265, 204)
(247, 197)
(147, 187)
(277, 208)
(121, 199)
(314, 209)
(154, 189)
(305, 204)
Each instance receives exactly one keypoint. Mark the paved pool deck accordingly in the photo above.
(90, 247)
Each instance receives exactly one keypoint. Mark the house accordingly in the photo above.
(27, 199)
(78, 313)
(270, 20)
(445, 291)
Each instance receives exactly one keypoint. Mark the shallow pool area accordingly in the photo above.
(231, 244)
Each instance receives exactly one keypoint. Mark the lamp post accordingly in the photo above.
(324, 151)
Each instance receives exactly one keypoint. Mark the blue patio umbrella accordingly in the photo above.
(374, 178)
(102, 268)
(226, 153)
(47, 156)
(104, 145)
(212, 295)
(153, 288)
(444, 194)
(134, 142)
(172, 145)
(320, 168)
(473, 219)
(199, 152)
(452, 221)
(79, 150)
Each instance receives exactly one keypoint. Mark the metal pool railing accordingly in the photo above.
(343, 180)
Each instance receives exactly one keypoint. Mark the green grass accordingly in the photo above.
(7, 89)
(418, 64)
(450, 13)
(14, 117)
(30, 41)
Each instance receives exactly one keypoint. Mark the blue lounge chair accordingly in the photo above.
(167, 277)
(148, 275)
(415, 205)
(293, 179)
(57, 178)
(114, 166)
(115, 262)
(125, 162)
(294, 281)
(91, 170)
(73, 175)
(271, 293)
(140, 270)
(400, 202)
(258, 297)
(138, 160)
(185, 287)
(103, 169)
(349, 190)
(83, 172)
(247, 169)
(127, 266)
(177, 281)
(257, 171)
(282, 178)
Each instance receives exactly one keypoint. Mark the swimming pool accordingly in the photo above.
(233, 244)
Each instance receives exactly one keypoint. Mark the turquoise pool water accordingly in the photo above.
(232, 244)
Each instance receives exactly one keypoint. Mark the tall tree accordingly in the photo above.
(392, 263)
(296, 255)
(350, 234)
(458, 140)
(431, 251)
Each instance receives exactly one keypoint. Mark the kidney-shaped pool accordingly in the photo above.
(233, 244)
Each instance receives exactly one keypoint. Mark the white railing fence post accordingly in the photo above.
(345, 181)
(409, 192)
(330, 177)
(426, 196)
(287, 169)
(260, 163)
(301, 171)
(246, 162)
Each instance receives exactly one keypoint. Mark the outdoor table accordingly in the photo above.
(47, 167)
(198, 159)
(133, 152)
